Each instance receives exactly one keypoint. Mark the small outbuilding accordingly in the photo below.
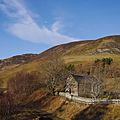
(83, 85)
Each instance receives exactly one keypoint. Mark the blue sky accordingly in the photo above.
(32, 26)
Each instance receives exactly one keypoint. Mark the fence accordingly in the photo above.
(89, 100)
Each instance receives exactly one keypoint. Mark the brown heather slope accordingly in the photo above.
(110, 44)
(16, 61)
(59, 108)
(84, 52)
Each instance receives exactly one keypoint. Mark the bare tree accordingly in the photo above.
(96, 89)
(6, 105)
(99, 74)
(22, 85)
(55, 73)
(117, 81)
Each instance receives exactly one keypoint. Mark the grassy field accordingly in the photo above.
(7, 73)
(90, 58)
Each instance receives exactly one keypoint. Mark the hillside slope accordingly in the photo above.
(59, 108)
(110, 44)
(56, 107)
(17, 60)
(75, 52)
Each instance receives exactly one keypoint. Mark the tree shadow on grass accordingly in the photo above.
(31, 110)
(93, 112)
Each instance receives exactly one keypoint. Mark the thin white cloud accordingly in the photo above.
(57, 26)
(25, 27)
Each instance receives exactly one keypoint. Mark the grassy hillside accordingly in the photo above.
(81, 52)
(59, 108)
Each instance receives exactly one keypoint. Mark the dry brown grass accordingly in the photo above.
(90, 58)
(68, 110)
(54, 104)
(113, 112)
(58, 106)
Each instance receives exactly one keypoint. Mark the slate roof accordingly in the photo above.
(80, 78)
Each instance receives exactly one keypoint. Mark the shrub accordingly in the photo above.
(23, 84)
(105, 61)
(97, 60)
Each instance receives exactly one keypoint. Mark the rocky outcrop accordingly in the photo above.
(19, 59)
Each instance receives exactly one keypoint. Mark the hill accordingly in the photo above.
(80, 52)
(17, 60)
(75, 51)
(69, 110)
(110, 44)
(40, 103)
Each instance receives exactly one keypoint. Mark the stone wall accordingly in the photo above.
(89, 100)
(72, 86)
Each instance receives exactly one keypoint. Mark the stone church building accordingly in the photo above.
(84, 86)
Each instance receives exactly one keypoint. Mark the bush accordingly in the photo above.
(6, 105)
(23, 84)
(97, 60)
(105, 61)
